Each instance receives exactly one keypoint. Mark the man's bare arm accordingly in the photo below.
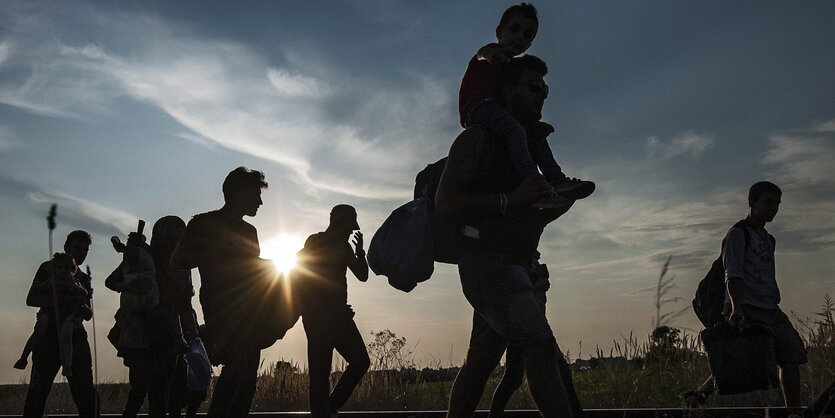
(735, 291)
(359, 266)
(454, 198)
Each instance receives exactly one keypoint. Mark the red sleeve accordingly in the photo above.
(479, 83)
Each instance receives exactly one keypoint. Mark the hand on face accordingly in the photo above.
(357, 241)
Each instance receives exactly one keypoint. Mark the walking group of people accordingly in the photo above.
(491, 183)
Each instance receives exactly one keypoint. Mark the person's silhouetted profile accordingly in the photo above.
(481, 187)
(327, 317)
(753, 297)
(225, 249)
(47, 352)
(527, 147)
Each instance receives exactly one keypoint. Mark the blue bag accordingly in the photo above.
(199, 368)
(401, 249)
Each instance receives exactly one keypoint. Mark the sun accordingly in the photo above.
(282, 251)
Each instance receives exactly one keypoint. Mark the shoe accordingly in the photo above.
(21, 363)
(554, 201)
(693, 399)
(573, 188)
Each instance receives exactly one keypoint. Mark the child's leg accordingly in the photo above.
(570, 188)
(544, 158)
(499, 121)
(66, 347)
(41, 324)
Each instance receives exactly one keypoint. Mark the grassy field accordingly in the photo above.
(646, 373)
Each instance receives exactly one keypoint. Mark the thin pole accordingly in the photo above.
(95, 345)
(50, 224)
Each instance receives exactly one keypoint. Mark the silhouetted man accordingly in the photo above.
(225, 249)
(46, 357)
(480, 186)
(328, 319)
(752, 294)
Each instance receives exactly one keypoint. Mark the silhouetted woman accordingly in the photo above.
(151, 337)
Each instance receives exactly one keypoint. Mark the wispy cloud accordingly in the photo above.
(75, 211)
(229, 95)
(801, 163)
(294, 85)
(687, 144)
(625, 231)
(828, 126)
(8, 139)
(5, 51)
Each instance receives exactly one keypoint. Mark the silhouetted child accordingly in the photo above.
(63, 282)
(477, 105)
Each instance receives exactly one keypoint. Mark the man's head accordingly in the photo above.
(343, 219)
(521, 87)
(77, 245)
(764, 200)
(242, 190)
(517, 27)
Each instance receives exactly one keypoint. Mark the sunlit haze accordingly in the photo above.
(282, 251)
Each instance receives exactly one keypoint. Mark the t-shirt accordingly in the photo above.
(479, 83)
(226, 279)
(325, 260)
(516, 234)
(754, 264)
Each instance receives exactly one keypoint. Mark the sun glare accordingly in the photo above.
(282, 251)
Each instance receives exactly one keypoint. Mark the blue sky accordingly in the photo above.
(121, 111)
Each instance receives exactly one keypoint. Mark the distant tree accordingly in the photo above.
(664, 344)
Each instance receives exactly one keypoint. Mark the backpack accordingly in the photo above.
(710, 295)
(447, 241)
(401, 249)
(405, 247)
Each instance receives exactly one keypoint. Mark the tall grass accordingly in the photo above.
(635, 372)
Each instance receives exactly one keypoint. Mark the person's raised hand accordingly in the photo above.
(497, 55)
(357, 241)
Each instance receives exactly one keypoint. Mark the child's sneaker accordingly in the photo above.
(21, 363)
(554, 201)
(573, 188)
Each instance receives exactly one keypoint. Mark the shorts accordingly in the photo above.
(502, 295)
(788, 346)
